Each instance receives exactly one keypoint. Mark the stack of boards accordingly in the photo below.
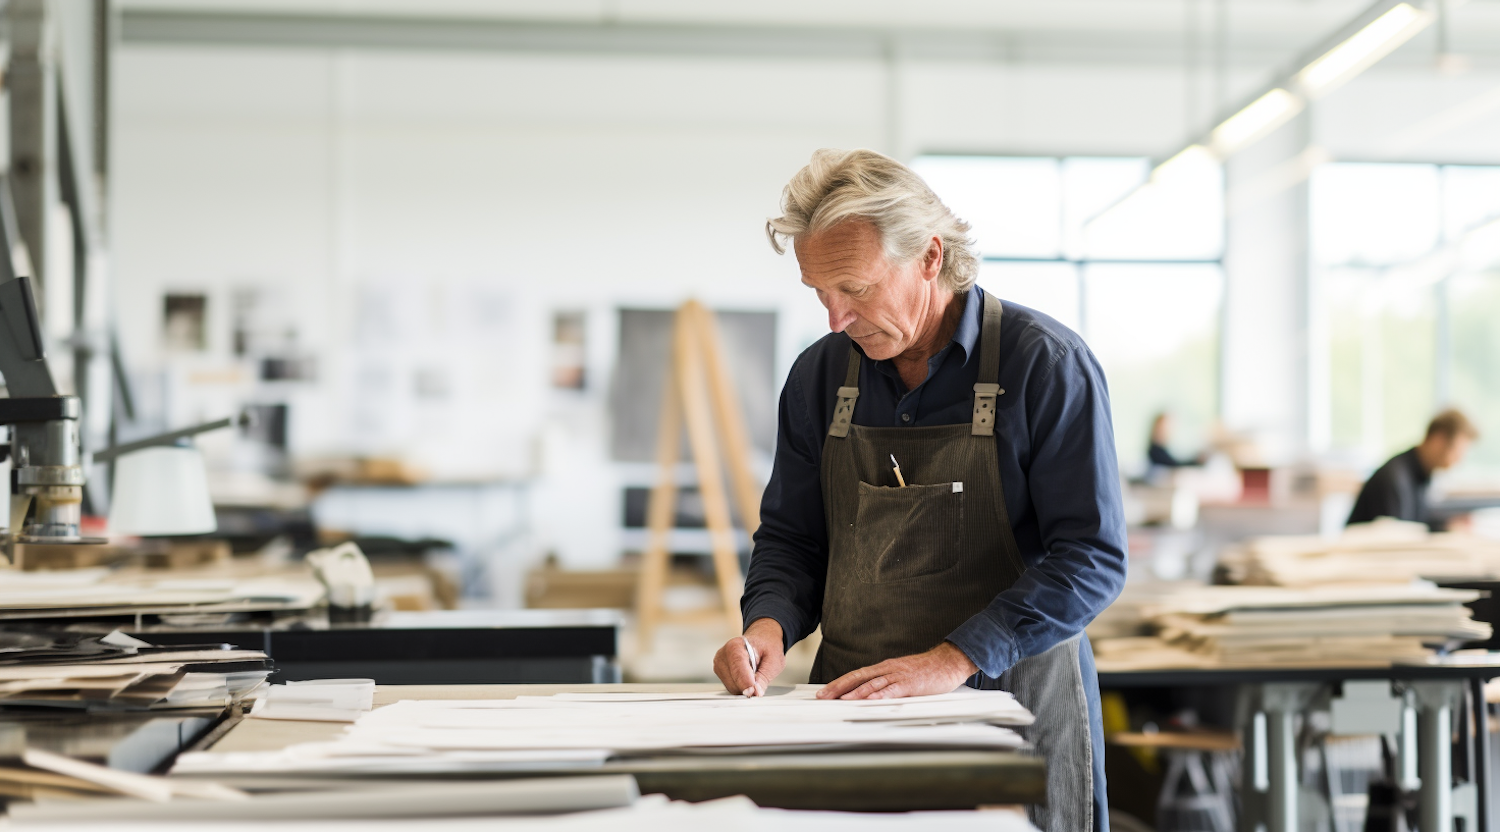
(1383, 552)
(374, 772)
(43, 777)
(117, 672)
(1347, 626)
(93, 593)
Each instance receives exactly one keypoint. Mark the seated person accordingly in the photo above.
(1157, 453)
(1399, 488)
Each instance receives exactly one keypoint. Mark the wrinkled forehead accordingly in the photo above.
(850, 245)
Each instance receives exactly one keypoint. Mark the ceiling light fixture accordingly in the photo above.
(1363, 49)
(1259, 117)
(1375, 33)
(1190, 157)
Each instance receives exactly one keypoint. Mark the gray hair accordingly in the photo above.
(840, 185)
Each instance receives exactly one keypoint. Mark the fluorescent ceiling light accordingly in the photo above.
(1194, 156)
(1376, 40)
(1166, 175)
(1263, 115)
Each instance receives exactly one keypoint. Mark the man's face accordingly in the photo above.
(1451, 451)
(882, 306)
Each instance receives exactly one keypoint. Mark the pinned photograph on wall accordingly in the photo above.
(568, 350)
(288, 368)
(184, 325)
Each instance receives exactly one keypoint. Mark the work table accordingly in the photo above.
(883, 781)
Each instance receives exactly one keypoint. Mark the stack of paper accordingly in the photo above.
(1345, 625)
(1384, 552)
(569, 730)
(321, 700)
(119, 672)
(98, 592)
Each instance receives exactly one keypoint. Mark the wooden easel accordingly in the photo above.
(698, 392)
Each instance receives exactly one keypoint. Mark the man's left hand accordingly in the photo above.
(939, 670)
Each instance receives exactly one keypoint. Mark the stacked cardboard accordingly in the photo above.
(44, 668)
(1384, 552)
(1320, 626)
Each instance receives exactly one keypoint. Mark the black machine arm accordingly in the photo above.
(23, 360)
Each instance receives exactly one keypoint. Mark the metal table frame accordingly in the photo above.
(1270, 785)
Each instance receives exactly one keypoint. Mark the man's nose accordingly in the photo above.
(840, 315)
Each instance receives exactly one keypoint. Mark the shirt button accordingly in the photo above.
(906, 417)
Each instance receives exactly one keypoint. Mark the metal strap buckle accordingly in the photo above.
(843, 413)
(984, 408)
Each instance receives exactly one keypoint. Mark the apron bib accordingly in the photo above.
(908, 565)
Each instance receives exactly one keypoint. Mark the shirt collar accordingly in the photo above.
(967, 333)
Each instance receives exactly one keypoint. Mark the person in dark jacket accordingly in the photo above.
(1157, 453)
(1399, 488)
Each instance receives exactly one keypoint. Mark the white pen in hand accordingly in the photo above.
(754, 666)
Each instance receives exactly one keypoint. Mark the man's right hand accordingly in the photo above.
(732, 663)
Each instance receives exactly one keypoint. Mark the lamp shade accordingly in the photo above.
(161, 490)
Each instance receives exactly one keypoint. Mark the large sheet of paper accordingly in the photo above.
(572, 729)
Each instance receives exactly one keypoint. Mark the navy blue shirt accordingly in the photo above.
(1057, 466)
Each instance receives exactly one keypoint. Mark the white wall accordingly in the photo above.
(521, 184)
(550, 182)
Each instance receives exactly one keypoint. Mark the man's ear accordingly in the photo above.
(932, 258)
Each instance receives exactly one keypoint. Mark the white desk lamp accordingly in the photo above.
(161, 484)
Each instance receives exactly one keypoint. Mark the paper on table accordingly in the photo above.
(83, 671)
(323, 700)
(425, 800)
(70, 683)
(457, 735)
(155, 789)
(959, 720)
(190, 657)
(354, 758)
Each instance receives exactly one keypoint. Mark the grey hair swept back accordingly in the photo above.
(841, 185)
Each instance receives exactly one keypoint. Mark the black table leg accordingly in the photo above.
(1481, 772)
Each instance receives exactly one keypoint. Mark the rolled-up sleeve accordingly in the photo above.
(789, 563)
(1074, 485)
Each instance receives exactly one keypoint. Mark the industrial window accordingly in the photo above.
(1097, 245)
(1406, 284)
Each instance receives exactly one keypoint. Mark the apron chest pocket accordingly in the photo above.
(903, 533)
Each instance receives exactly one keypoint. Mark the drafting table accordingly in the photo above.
(1439, 695)
(867, 781)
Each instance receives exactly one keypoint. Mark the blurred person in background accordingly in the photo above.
(1399, 487)
(1158, 454)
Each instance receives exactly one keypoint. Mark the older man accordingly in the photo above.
(1001, 537)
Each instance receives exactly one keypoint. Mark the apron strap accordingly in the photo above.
(988, 387)
(843, 413)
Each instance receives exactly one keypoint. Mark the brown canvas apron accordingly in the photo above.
(908, 565)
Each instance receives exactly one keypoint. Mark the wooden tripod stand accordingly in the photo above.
(698, 392)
